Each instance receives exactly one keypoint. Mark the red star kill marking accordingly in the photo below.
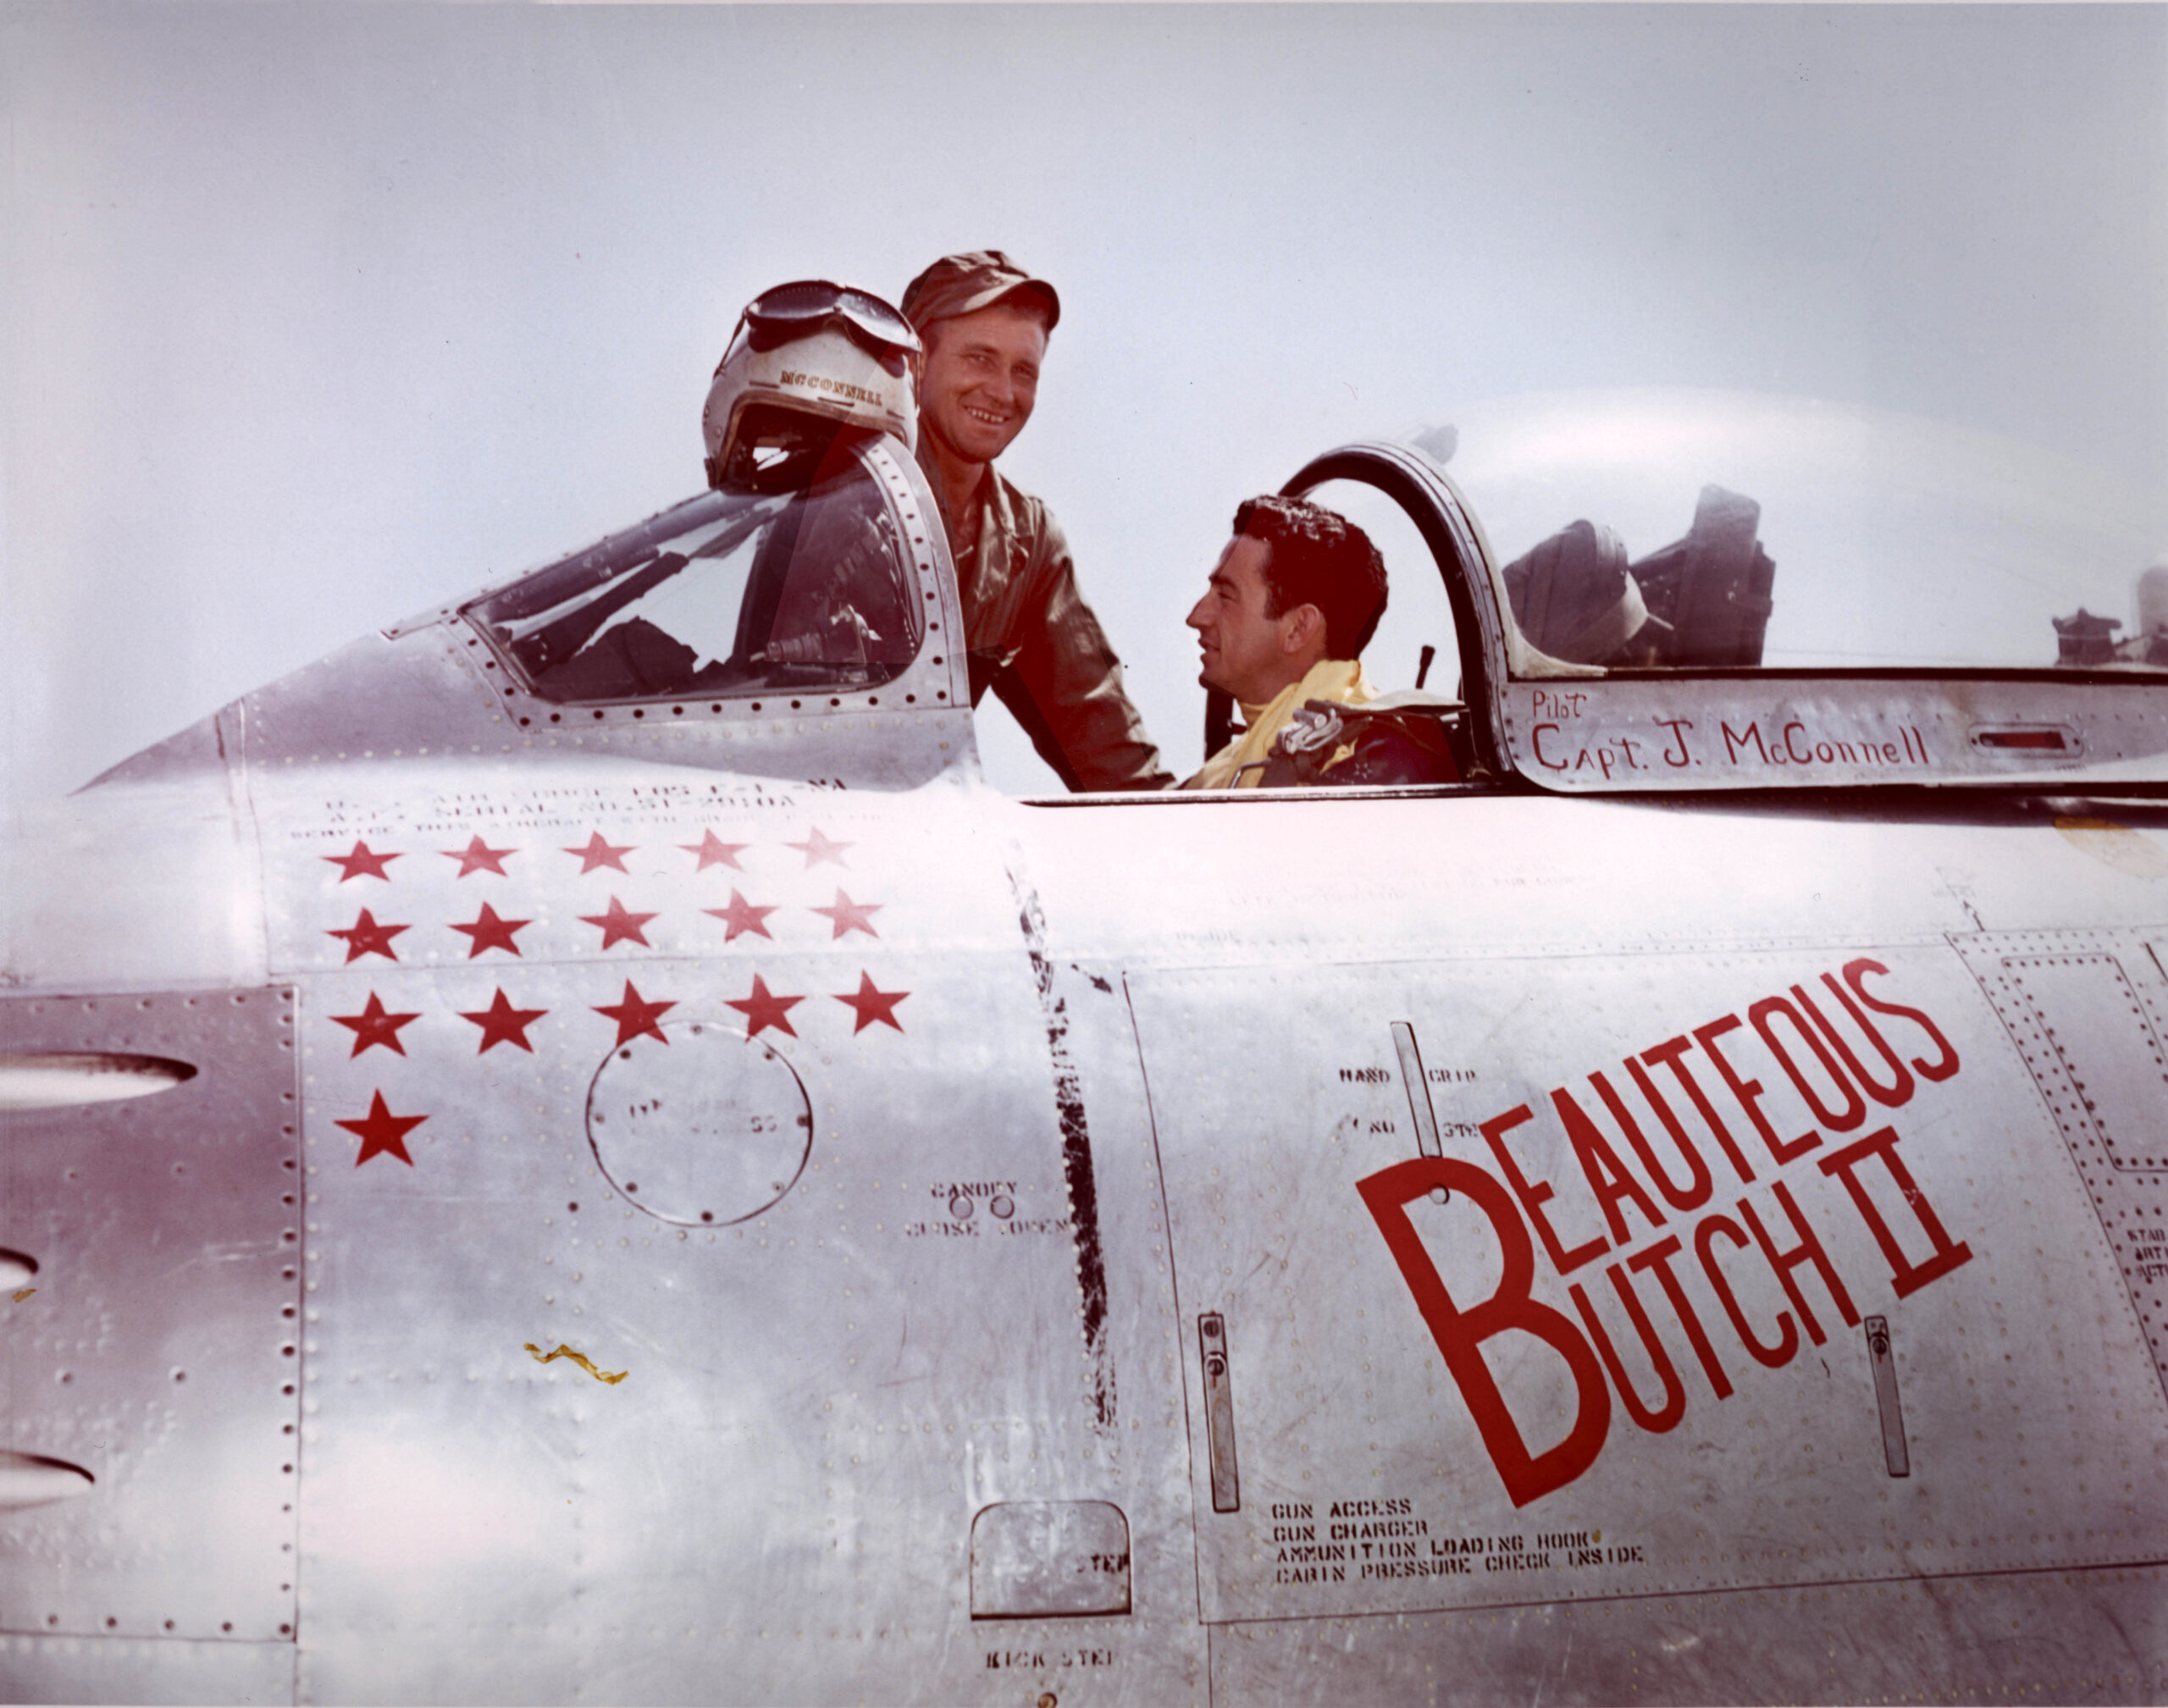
(871, 1005)
(477, 856)
(634, 1016)
(503, 1023)
(817, 847)
(365, 936)
(361, 863)
(619, 925)
(764, 1009)
(373, 1025)
(742, 916)
(714, 853)
(383, 1134)
(489, 932)
(598, 853)
(851, 917)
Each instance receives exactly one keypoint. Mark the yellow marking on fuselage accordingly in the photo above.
(578, 1358)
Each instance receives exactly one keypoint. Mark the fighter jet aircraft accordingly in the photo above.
(575, 1150)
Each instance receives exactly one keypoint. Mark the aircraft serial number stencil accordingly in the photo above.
(1724, 1270)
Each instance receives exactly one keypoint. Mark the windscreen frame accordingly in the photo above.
(934, 680)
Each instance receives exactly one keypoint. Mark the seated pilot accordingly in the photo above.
(1295, 597)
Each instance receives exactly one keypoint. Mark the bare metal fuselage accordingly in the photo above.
(1462, 1244)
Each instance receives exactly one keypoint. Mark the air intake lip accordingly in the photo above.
(59, 1079)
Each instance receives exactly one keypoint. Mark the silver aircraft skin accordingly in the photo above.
(691, 1196)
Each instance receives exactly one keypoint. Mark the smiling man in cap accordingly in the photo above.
(1029, 635)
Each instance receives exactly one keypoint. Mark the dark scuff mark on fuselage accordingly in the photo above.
(1075, 1158)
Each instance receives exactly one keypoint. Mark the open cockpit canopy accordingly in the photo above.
(1682, 590)
(1710, 530)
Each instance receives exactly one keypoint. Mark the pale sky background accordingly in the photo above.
(313, 317)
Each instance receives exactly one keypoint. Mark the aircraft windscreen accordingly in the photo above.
(733, 592)
(1693, 530)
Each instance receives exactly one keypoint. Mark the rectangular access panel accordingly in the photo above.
(1760, 1267)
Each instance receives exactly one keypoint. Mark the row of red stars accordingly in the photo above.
(503, 1023)
(382, 1133)
(487, 931)
(477, 856)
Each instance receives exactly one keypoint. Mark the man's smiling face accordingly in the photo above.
(981, 379)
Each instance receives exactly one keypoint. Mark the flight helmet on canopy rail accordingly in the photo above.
(806, 360)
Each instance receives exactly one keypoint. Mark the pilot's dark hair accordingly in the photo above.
(1317, 557)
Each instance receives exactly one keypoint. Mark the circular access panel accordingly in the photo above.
(707, 1128)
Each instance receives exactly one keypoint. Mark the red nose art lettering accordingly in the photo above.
(1460, 1334)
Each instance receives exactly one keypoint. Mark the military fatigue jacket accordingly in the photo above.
(1031, 638)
